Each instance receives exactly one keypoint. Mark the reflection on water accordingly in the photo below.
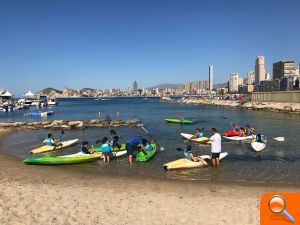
(278, 163)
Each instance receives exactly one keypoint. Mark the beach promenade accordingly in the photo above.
(57, 195)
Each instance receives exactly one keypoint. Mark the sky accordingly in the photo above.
(110, 43)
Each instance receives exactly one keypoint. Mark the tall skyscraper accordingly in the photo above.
(135, 86)
(283, 69)
(234, 82)
(259, 69)
(211, 73)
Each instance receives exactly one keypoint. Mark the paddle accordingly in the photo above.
(160, 147)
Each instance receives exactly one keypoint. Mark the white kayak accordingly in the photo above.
(186, 164)
(237, 138)
(47, 148)
(199, 140)
(257, 146)
(116, 154)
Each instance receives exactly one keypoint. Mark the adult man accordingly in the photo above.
(131, 145)
(216, 140)
(215, 147)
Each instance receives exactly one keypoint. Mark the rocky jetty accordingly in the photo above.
(68, 125)
(263, 106)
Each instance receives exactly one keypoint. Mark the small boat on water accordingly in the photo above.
(52, 102)
(39, 114)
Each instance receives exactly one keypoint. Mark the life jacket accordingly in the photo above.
(200, 135)
(248, 132)
(149, 148)
(260, 138)
(187, 153)
(48, 141)
(105, 148)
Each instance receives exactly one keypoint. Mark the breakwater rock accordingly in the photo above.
(68, 125)
(263, 106)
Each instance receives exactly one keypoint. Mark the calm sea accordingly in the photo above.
(278, 163)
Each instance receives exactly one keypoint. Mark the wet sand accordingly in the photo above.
(55, 195)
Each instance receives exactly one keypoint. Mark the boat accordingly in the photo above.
(47, 148)
(237, 138)
(98, 148)
(185, 121)
(257, 146)
(39, 114)
(187, 164)
(231, 133)
(79, 157)
(199, 140)
(52, 102)
(142, 157)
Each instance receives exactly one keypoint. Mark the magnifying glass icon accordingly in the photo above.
(277, 205)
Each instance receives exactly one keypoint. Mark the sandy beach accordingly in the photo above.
(56, 195)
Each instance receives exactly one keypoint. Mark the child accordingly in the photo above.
(85, 148)
(146, 146)
(105, 149)
(198, 134)
(260, 138)
(189, 155)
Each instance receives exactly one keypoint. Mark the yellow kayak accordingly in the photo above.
(186, 164)
(47, 148)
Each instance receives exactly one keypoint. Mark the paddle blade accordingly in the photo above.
(278, 139)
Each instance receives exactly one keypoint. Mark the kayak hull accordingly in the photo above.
(188, 164)
(47, 148)
(257, 146)
(179, 121)
(141, 157)
(63, 160)
(237, 138)
(98, 148)
(199, 140)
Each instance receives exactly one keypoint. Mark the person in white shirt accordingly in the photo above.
(215, 147)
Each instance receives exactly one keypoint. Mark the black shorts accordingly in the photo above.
(215, 155)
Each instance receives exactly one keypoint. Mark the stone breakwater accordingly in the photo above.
(68, 125)
(264, 106)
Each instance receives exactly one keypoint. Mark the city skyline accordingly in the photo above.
(105, 45)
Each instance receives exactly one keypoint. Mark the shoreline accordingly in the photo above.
(292, 108)
(43, 194)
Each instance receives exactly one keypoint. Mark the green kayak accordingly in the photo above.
(98, 148)
(178, 121)
(63, 160)
(141, 157)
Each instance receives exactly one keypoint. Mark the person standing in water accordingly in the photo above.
(216, 147)
(132, 144)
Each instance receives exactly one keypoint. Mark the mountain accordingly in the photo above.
(164, 86)
(51, 92)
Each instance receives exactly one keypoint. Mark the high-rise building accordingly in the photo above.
(241, 81)
(259, 69)
(201, 85)
(206, 85)
(250, 78)
(283, 69)
(211, 73)
(135, 86)
(234, 82)
(193, 88)
(268, 77)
